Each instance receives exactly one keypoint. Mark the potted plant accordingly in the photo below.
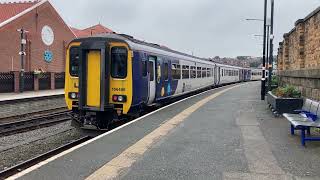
(274, 83)
(38, 72)
(285, 99)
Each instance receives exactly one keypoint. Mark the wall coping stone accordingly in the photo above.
(310, 73)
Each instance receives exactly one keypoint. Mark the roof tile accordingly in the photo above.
(97, 29)
(8, 10)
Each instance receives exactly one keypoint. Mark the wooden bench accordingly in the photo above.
(303, 122)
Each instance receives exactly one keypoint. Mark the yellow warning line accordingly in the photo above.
(122, 162)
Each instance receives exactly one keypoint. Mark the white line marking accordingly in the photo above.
(36, 166)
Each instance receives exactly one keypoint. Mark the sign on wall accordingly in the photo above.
(48, 56)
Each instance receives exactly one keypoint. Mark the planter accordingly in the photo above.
(284, 105)
(272, 87)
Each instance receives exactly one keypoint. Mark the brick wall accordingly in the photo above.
(33, 22)
(299, 56)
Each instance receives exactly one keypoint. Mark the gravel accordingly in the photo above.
(17, 148)
(8, 110)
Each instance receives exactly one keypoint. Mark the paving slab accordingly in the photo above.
(30, 94)
(234, 136)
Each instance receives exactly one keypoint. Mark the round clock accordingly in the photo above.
(47, 35)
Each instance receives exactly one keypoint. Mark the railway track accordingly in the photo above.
(47, 118)
(26, 164)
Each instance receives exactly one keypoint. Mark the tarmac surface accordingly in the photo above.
(227, 133)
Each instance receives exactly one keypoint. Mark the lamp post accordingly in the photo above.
(22, 54)
(270, 67)
(263, 79)
(266, 30)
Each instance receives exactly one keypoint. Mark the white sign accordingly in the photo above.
(47, 35)
(23, 41)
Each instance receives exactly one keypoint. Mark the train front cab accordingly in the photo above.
(104, 83)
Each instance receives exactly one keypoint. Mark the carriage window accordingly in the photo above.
(119, 56)
(198, 72)
(193, 72)
(208, 72)
(204, 72)
(165, 71)
(74, 61)
(144, 68)
(151, 70)
(185, 72)
(222, 72)
(176, 71)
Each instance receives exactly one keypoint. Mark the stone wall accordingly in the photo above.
(299, 56)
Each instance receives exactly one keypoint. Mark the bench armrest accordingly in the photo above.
(301, 111)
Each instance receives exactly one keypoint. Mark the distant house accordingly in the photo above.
(91, 31)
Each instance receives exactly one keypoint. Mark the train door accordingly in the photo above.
(215, 74)
(218, 75)
(152, 79)
(93, 78)
(160, 91)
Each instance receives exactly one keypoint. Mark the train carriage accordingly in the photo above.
(111, 76)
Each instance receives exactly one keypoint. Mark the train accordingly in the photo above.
(112, 76)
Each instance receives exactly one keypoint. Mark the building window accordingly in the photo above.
(119, 56)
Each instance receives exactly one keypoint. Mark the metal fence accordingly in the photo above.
(44, 81)
(28, 81)
(59, 80)
(6, 82)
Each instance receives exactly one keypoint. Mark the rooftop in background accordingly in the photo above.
(94, 30)
(11, 9)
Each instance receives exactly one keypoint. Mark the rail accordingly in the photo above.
(34, 123)
(26, 164)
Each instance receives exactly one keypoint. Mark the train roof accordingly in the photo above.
(136, 44)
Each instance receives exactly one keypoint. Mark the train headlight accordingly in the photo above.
(119, 98)
(73, 95)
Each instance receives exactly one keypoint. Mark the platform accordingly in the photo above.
(30, 94)
(226, 133)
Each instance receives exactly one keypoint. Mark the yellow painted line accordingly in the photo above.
(120, 164)
(40, 164)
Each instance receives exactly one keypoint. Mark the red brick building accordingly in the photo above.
(46, 39)
(45, 45)
(90, 31)
(43, 23)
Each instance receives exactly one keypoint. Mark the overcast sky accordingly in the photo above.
(205, 27)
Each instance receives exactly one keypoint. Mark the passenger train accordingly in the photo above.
(111, 76)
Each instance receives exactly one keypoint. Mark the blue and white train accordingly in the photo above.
(111, 76)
